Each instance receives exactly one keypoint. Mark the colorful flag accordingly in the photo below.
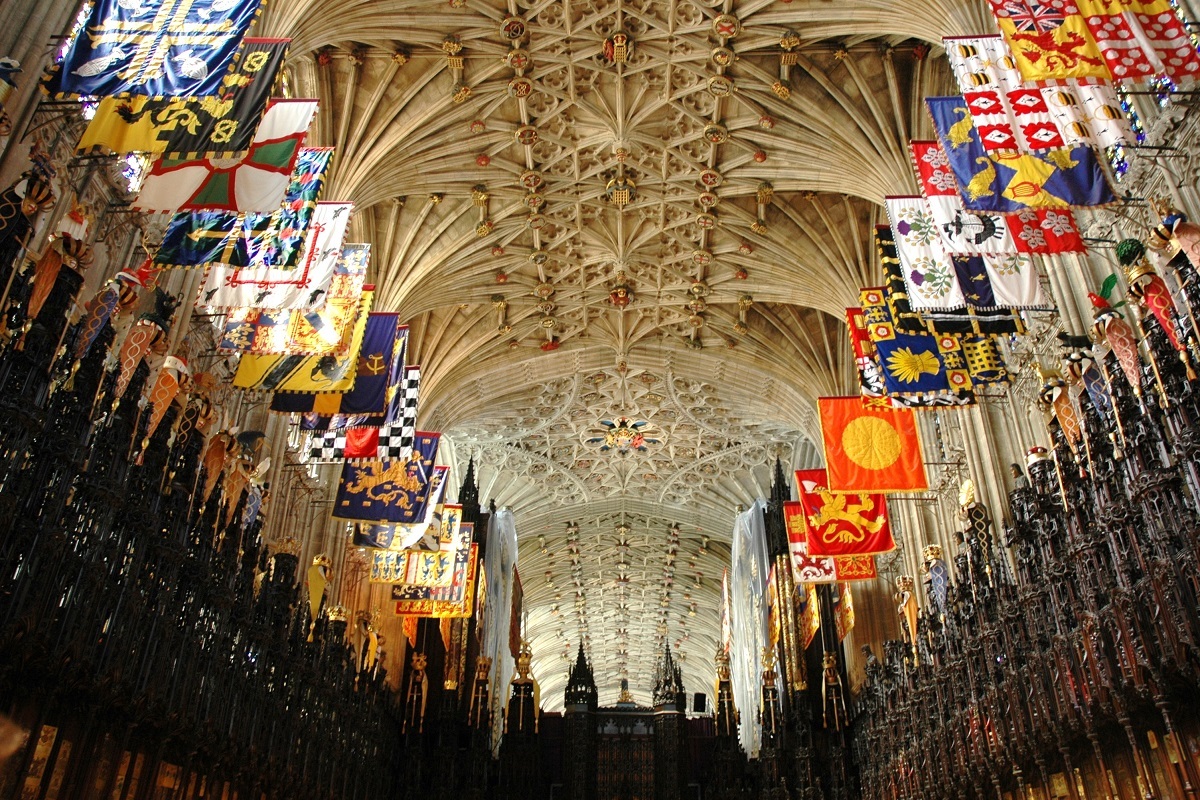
(256, 183)
(940, 277)
(427, 567)
(331, 372)
(389, 491)
(459, 599)
(919, 369)
(304, 287)
(954, 321)
(773, 625)
(221, 126)
(810, 613)
(1045, 230)
(927, 268)
(1126, 40)
(842, 524)
(371, 442)
(856, 568)
(159, 48)
(805, 568)
(316, 332)
(870, 446)
(1027, 231)
(365, 443)
(386, 536)
(843, 610)
(1012, 114)
(1010, 182)
(386, 343)
(866, 357)
(200, 238)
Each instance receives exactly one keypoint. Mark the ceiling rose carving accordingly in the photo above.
(675, 437)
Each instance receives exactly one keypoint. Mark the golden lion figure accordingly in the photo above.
(393, 485)
(837, 508)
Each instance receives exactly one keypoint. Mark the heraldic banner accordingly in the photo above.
(389, 491)
(842, 524)
(870, 446)
(169, 48)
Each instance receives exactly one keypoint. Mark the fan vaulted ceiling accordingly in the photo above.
(624, 233)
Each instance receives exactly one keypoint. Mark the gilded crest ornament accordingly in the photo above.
(726, 26)
(722, 56)
(531, 179)
(520, 87)
(622, 294)
(618, 48)
(716, 133)
(512, 28)
(720, 86)
(526, 135)
(621, 191)
(518, 58)
(623, 435)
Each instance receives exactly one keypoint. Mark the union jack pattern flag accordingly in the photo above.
(1034, 15)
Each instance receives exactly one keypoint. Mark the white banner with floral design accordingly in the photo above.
(928, 272)
(966, 233)
(1015, 281)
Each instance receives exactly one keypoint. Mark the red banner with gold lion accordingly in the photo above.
(842, 524)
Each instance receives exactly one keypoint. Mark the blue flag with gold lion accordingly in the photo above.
(1012, 182)
(389, 491)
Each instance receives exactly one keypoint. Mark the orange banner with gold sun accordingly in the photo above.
(870, 446)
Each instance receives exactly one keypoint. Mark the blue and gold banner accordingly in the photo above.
(424, 535)
(276, 240)
(389, 491)
(426, 569)
(1012, 182)
(159, 48)
(192, 127)
(455, 601)
(918, 369)
(385, 341)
